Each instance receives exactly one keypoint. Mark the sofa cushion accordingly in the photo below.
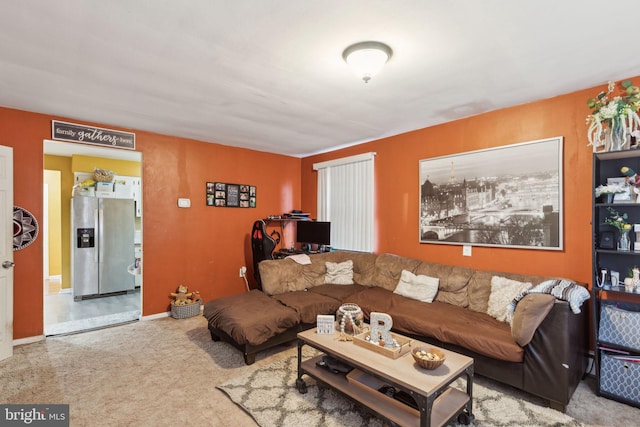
(528, 315)
(375, 299)
(389, 268)
(314, 273)
(308, 304)
(480, 286)
(341, 292)
(281, 275)
(503, 291)
(421, 288)
(339, 273)
(454, 281)
(480, 333)
(459, 326)
(448, 323)
(251, 317)
(363, 267)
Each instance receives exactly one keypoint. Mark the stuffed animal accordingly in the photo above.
(195, 296)
(181, 297)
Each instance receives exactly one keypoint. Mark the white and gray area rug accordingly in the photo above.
(269, 395)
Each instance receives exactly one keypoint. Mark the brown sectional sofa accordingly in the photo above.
(550, 364)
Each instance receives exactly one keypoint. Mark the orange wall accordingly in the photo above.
(202, 247)
(397, 184)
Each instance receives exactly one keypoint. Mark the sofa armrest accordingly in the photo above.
(556, 358)
(528, 315)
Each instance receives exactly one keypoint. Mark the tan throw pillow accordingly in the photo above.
(530, 312)
(421, 288)
(339, 273)
(503, 291)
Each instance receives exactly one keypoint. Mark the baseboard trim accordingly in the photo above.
(28, 340)
(156, 316)
(37, 338)
(165, 314)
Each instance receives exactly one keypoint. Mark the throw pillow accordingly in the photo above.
(530, 312)
(339, 273)
(421, 288)
(503, 291)
(565, 290)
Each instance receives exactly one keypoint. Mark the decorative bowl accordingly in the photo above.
(428, 357)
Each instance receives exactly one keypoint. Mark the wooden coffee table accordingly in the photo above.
(437, 402)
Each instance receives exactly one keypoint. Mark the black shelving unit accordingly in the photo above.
(620, 360)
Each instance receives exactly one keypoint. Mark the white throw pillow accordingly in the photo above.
(503, 291)
(421, 288)
(339, 273)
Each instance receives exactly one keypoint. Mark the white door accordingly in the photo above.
(6, 252)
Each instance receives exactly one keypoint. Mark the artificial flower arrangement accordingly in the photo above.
(609, 189)
(617, 220)
(614, 117)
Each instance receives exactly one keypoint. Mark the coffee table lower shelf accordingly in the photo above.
(449, 404)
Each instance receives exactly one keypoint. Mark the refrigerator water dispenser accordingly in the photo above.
(86, 237)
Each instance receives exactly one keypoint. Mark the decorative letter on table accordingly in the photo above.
(381, 324)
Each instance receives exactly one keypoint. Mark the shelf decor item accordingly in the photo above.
(635, 280)
(350, 318)
(614, 117)
(619, 221)
(606, 193)
(624, 244)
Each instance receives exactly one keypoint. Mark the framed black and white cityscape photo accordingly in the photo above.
(509, 196)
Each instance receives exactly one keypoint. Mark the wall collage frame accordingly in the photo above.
(223, 194)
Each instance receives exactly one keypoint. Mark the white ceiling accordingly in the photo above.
(268, 74)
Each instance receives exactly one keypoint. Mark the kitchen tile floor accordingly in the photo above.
(63, 315)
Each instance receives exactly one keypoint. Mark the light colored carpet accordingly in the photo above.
(164, 372)
(270, 396)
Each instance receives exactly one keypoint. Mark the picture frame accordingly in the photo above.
(606, 240)
(507, 196)
(223, 194)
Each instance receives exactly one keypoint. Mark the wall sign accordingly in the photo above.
(92, 135)
(231, 195)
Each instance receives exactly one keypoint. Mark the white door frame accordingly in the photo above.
(6, 252)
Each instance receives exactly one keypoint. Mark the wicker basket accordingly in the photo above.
(101, 175)
(185, 311)
(426, 363)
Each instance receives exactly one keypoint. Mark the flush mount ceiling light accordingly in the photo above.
(366, 59)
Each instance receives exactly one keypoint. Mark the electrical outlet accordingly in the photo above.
(243, 271)
(466, 250)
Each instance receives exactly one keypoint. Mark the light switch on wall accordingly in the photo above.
(466, 250)
(184, 203)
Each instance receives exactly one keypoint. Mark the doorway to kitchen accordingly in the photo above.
(72, 301)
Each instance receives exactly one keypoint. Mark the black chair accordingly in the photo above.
(262, 245)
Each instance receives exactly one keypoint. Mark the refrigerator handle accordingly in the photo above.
(97, 220)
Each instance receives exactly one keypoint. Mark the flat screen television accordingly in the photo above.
(313, 232)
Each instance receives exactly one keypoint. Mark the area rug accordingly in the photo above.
(268, 394)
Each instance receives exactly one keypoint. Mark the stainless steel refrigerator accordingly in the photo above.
(103, 233)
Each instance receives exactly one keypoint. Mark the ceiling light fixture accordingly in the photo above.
(366, 59)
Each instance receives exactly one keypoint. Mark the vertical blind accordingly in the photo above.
(345, 198)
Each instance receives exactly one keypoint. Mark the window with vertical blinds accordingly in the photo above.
(345, 198)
